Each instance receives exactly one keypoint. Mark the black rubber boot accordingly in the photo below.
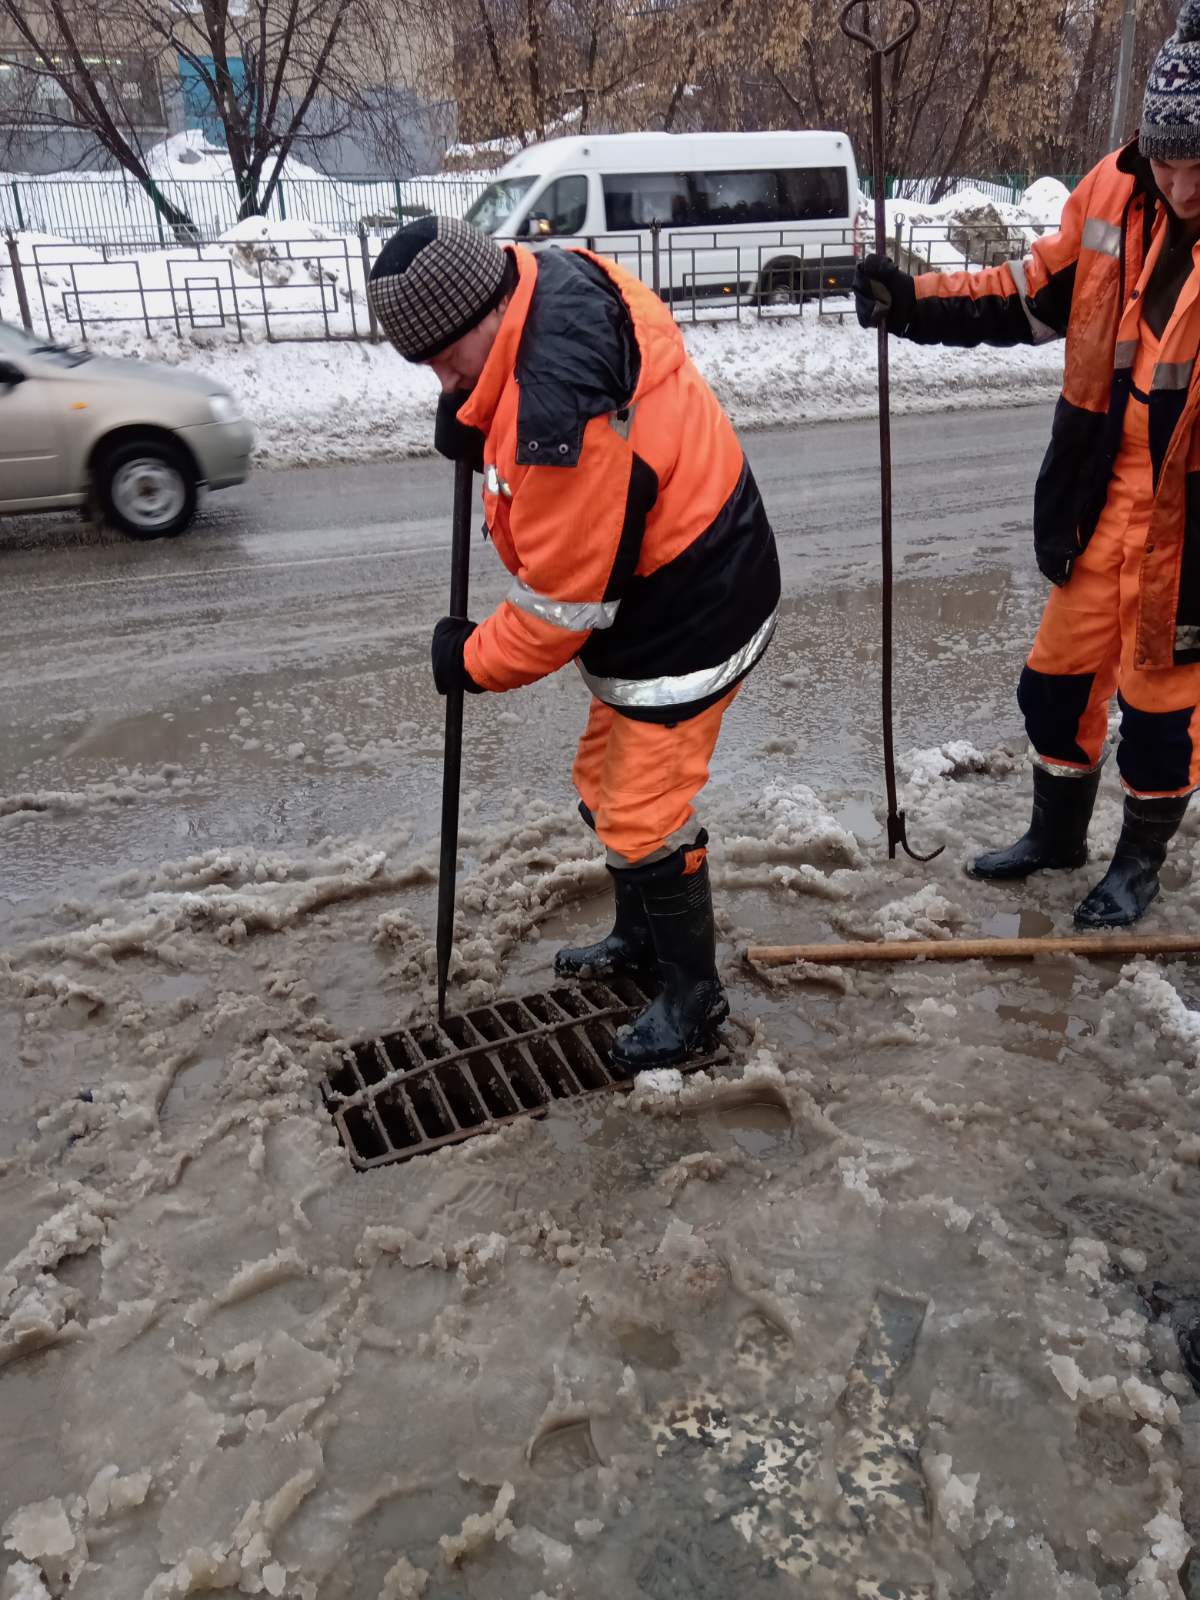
(691, 1004)
(627, 948)
(1057, 836)
(1131, 882)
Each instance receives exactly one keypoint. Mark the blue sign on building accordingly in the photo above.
(199, 109)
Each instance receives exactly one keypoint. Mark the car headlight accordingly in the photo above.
(224, 408)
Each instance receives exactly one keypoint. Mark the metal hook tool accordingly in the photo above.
(896, 834)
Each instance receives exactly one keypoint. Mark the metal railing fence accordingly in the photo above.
(94, 209)
(304, 288)
(90, 208)
(1004, 186)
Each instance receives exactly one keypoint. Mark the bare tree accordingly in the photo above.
(267, 73)
(524, 70)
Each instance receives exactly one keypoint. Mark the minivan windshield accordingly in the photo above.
(497, 203)
(15, 341)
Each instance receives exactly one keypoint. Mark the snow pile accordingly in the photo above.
(125, 787)
(955, 759)
(788, 823)
(966, 229)
(1044, 201)
(190, 155)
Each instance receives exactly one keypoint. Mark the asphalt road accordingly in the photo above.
(264, 680)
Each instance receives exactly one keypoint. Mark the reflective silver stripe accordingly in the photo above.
(577, 616)
(622, 421)
(1056, 769)
(494, 483)
(684, 837)
(1187, 637)
(688, 686)
(1125, 354)
(1042, 331)
(1172, 375)
(1103, 237)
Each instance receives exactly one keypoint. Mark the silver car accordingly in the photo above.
(133, 441)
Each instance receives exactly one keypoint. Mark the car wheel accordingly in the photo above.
(146, 489)
(782, 285)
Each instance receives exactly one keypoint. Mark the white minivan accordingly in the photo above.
(776, 215)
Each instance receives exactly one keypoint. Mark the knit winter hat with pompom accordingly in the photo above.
(1170, 129)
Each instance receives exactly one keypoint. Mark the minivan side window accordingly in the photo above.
(637, 199)
(563, 205)
(813, 194)
(765, 196)
(727, 199)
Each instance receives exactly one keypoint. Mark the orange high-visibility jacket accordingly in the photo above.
(617, 495)
(1085, 283)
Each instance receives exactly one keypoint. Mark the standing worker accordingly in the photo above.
(617, 495)
(1117, 504)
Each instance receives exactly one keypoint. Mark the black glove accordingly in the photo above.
(453, 438)
(449, 637)
(882, 290)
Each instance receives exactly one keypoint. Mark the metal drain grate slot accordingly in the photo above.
(422, 1088)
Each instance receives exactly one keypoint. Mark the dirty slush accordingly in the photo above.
(869, 1312)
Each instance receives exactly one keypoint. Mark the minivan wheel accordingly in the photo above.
(783, 283)
(146, 489)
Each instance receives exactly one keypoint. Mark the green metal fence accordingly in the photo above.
(103, 208)
(1005, 186)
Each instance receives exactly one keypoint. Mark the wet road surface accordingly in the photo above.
(268, 672)
(866, 1303)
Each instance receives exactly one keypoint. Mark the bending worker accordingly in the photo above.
(1117, 505)
(617, 495)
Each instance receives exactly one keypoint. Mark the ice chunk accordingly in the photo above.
(1087, 1258)
(40, 1530)
(285, 1371)
(1151, 1404)
(404, 1581)
(108, 1492)
(661, 1080)
(23, 1582)
(533, 1543)
(953, 1496)
(480, 1530)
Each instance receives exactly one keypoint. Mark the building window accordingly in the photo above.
(31, 91)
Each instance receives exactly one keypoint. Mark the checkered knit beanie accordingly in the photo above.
(1170, 129)
(435, 280)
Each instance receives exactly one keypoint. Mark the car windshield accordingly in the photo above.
(497, 203)
(15, 341)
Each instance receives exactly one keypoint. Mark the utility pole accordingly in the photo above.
(1120, 110)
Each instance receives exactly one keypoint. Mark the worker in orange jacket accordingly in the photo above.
(617, 495)
(1117, 505)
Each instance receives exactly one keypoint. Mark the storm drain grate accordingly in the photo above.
(411, 1092)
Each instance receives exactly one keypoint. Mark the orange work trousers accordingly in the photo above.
(637, 780)
(1084, 650)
